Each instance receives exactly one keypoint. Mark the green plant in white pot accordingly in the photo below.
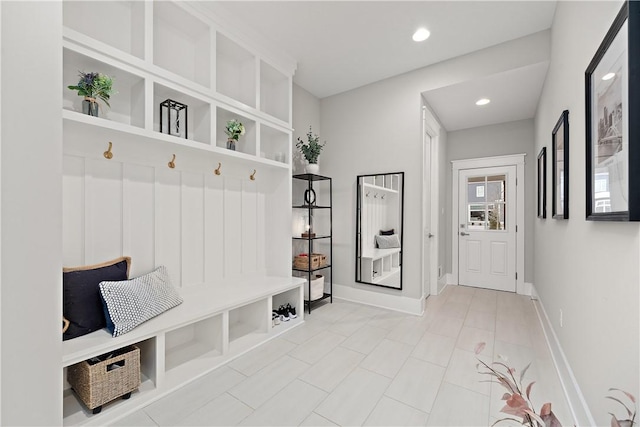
(311, 149)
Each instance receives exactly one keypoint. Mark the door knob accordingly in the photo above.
(462, 233)
(431, 235)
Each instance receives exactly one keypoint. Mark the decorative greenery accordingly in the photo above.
(631, 421)
(517, 398)
(234, 129)
(94, 85)
(311, 149)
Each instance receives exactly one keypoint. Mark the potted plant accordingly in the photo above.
(311, 150)
(233, 129)
(92, 86)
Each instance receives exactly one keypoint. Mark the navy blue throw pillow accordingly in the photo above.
(82, 304)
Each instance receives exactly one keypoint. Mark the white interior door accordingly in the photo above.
(487, 228)
(426, 221)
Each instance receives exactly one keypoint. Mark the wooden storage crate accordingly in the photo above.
(99, 382)
(317, 261)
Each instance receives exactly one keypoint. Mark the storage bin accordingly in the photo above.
(107, 377)
(302, 262)
(317, 288)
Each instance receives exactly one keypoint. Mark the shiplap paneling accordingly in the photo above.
(73, 211)
(103, 210)
(202, 227)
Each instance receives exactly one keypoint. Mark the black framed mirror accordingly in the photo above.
(379, 229)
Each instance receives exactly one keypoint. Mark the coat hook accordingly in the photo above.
(382, 197)
(375, 196)
(108, 154)
(252, 177)
(172, 163)
(217, 171)
(367, 194)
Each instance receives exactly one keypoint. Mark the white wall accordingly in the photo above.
(589, 270)
(497, 140)
(378, 128)
(306, 112)
(31, 197)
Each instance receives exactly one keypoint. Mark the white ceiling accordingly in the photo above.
(342, 45)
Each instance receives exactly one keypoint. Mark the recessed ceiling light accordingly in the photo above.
(421, 35)
(608, 76)
(483, 101)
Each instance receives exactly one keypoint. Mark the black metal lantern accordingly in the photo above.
(173, 118)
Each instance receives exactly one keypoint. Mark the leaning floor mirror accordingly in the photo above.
(379, 226)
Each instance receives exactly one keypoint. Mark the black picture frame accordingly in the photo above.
(542, 183)
(560, 173)
(612, 92)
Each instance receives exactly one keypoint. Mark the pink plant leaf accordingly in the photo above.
(506, 396)
(529, 389)
(516, 405)
(546, 409)
(620, 402)
(523, 372)
(535, 416)
(506, 419)
(550, 420)
(614, 421)
(626, 423)
(629, 395)
(512, 411)
(479, 347)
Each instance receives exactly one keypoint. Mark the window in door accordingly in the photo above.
(486, 202)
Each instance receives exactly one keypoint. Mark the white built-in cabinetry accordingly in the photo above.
(224, 237)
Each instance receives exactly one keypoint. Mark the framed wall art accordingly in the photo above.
(612, 126)
(542, 183)
(560, 161)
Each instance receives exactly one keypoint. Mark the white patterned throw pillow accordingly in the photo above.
(129, 303)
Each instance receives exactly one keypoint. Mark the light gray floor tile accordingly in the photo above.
(435, 348)
(354, 399)
(481, 320)
(409, 330)
(313, 350)
(387, 358)
(417, 384)
(447, 326)
(454, 309)
(287, 408)
(225, 410)
(457, 406)
(365, 339)
(469, 338)
(178, 405)
(462, 371)
(253, 361)
(387, 320)
(263, 385)
(389, 412)
(309, 329)
(332, 369)
(138, 418)
(315, 420)
(461, 297)
(349, 324)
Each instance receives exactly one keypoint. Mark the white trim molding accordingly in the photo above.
(376, 299)
(517, 160)
(575, 399)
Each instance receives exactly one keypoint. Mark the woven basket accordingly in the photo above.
(102, 382)
(317, 261)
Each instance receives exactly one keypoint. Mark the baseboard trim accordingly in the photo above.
(525, 289)
(577, 403)
(377, 299)
(443, 281)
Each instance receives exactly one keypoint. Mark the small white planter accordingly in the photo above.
(313, 168)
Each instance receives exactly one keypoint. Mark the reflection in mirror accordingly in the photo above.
(379, 223)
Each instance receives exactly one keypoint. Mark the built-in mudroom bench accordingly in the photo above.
(178, 194)
(214, 324)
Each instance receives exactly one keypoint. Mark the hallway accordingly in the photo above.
(352, 364)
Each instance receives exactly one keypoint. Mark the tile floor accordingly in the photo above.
(351, 364)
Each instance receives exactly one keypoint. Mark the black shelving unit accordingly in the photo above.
(313, 183)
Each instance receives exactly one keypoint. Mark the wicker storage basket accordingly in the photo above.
(317, 261)
(317, 288)
(101, 382)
